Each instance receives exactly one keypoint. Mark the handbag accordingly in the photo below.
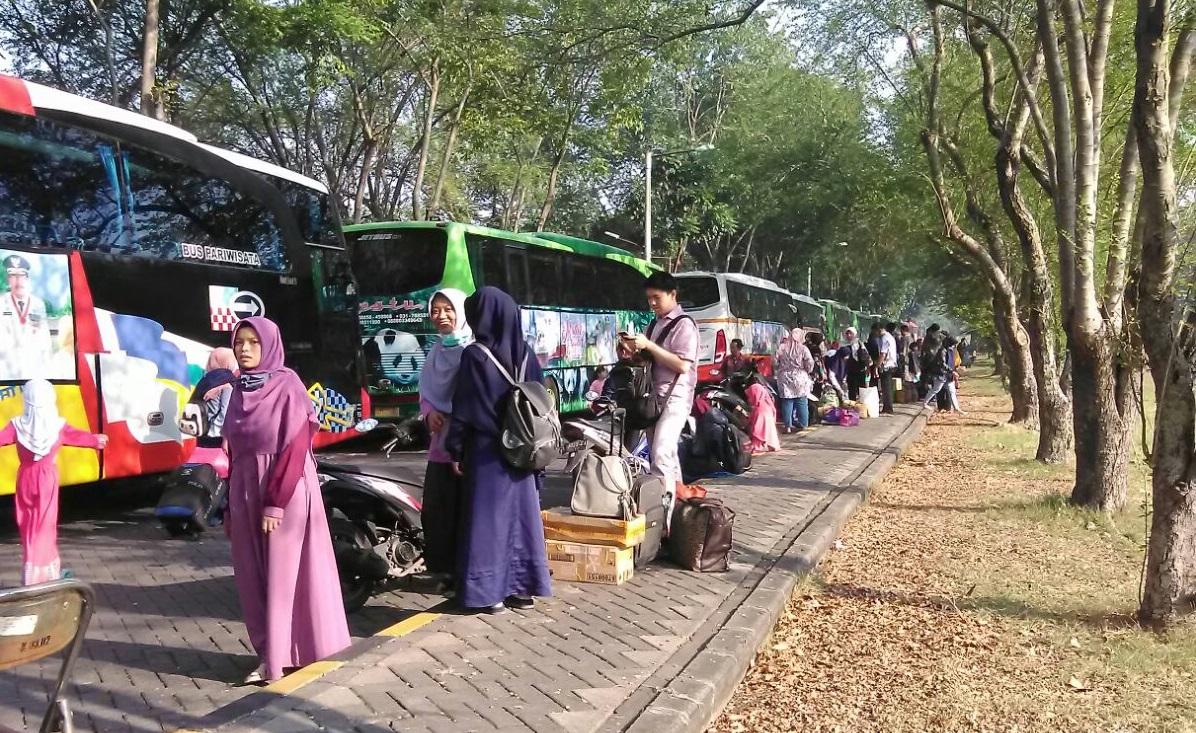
(602, 488)
(701, 536)
(644, 407)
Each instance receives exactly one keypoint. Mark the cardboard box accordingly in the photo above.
(562, 525)
(580, 563)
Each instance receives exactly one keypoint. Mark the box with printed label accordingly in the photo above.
(562, 525)
(590, 563)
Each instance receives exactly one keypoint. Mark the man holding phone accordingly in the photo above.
(671, 344)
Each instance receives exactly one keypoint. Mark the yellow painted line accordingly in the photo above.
(407, 625)
(301, 677)
(316, 670)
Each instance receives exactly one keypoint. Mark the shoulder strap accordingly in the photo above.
(668, 328)
(502, 369)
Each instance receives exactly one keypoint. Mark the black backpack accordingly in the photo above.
(736, 454)
(194, 420)
(635, 391)
(531, 427)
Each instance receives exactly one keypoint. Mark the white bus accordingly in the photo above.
(729, 306)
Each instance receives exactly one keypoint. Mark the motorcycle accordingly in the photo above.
(723, 396)
(604, 437)
(377, 533)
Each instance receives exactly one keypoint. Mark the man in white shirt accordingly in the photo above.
(25, 343)
(888, 367)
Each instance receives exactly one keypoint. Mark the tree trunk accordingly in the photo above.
(1054, 409)
(150, 105)
(1167, 328)
(1015, 345)
(446, 157)
(417, 204)
(1102, 430)
(554, 177)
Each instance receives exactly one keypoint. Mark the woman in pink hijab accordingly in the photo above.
(282, 552)
(212, 394)
(38, 434)
(762, 421)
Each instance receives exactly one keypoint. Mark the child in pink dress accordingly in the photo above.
(38, 434)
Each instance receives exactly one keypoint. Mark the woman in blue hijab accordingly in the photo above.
(502, 560)
(437, 380)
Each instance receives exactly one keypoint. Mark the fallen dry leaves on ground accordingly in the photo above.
(968, 597)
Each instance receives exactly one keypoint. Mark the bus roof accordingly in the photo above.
(736, 277)
(561, 242)
(806, 299)
(584, 246)
(269, 169)
(26, 97)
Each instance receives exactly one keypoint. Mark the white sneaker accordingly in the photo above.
(256, 676)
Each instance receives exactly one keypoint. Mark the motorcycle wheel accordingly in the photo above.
(355, 590)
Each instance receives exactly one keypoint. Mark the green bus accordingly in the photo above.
(575, 297)
(839, 318)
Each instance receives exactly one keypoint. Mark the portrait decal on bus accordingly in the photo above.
(37, 329)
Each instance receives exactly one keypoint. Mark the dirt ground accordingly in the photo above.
(967, 596)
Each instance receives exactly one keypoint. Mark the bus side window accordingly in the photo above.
(493, 260)
(515, 257)
(580, 289)
(172, 204)
(544, 277)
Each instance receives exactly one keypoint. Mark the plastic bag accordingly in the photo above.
(870, 401)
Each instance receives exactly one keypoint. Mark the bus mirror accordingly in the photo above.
(366, 425)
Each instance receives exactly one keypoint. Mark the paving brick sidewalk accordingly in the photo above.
(167, 643)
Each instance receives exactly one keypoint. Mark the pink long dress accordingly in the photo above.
(763, 420)
(287, 580)
(37, 502)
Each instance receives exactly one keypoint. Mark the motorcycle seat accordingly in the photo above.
(382, 469)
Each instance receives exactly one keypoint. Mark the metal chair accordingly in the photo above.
(37, 621)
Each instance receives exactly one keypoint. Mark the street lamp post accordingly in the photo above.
(648, 156)
(648, 206)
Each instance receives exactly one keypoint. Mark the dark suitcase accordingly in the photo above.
(700, 536)
(648, 492)
(193, 500)
(943, 400)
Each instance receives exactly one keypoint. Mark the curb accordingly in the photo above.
(695, 697)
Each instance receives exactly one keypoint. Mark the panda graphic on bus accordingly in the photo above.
(398, 356)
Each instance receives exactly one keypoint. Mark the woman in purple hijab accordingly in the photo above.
(502, 560)
(282, 552)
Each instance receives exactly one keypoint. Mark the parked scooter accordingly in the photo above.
(374, 519)
(604, 435)
(722, 396)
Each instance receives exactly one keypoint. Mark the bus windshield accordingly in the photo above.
(390, 262)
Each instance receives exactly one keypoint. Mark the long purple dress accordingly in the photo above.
(502, 551)
(287, 580)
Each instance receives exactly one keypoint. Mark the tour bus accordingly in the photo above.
(839, 318)
(729, 306)
(131, 250)
(575, 297)
(810, 313)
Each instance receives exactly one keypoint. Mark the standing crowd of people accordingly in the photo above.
(481, 516)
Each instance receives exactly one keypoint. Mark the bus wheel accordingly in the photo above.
(554, 391)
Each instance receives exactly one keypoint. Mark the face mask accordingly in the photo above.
(451, 340)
